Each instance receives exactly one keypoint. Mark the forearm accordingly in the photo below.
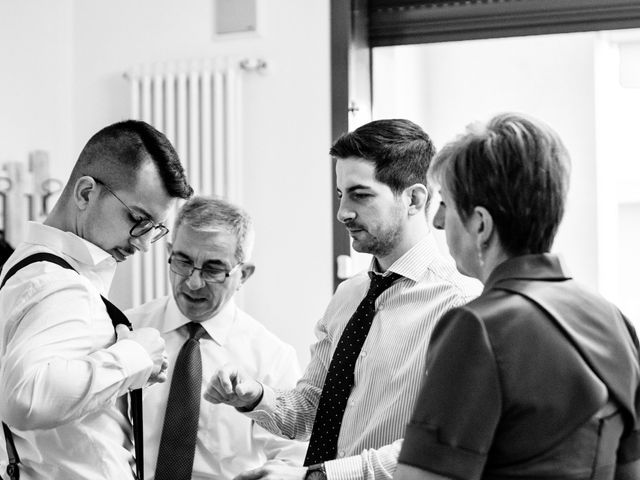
(287, 413)
(371, 464)
(290, 412)
(48, 393)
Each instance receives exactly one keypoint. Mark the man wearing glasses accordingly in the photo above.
(209, 260)
(64, 373)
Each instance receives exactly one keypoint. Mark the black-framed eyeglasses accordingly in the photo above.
(142, 226)
(185, 268)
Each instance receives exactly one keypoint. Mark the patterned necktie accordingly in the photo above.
(180, 429)
(337, 386)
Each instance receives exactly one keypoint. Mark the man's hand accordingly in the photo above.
(274, 471)
(228, 385)
(153, 343)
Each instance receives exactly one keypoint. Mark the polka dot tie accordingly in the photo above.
(180, 429)
(339, 381)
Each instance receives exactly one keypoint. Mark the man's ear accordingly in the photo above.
(416, 196)
(84, 190)
(246, 270)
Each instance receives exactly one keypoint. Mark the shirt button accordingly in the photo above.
(341, 453)
(363, 353)
(380, 307)
(352, 402)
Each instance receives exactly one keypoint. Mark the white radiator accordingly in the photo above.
(198, 108)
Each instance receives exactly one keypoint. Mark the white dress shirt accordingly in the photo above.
(389, 370)
(228, 443)
(62, 377)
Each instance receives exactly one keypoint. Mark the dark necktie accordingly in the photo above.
(339, 381)
(180, 429)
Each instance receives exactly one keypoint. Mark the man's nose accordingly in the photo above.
(345, 214)
(143, 242)
(195, 281)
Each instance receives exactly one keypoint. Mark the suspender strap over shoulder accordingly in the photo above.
(117, 318)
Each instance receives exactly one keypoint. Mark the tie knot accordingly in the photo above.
(379, 283)
(196, 331)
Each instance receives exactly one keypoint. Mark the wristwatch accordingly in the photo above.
(316, 472)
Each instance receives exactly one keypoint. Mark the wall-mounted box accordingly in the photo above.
(235, 16)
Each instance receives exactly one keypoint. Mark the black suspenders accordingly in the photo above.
(117, 318)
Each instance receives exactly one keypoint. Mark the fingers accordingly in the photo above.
(228, 386)
(227, 378)
(159, 372)
(162, 375)
(249, 391)
(153, 343)
(165, 363)
(221, 386)
(122, 331)
(218, 389)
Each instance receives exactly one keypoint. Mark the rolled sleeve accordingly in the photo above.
(629, 449)
(349, 468)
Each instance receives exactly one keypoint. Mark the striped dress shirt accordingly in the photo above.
(389, 370)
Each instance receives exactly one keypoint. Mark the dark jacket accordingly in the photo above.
(536, 377)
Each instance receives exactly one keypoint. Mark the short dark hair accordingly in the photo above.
(518, 169)
(116, 153)
(400, 150)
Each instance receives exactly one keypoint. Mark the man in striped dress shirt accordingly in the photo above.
(381, 181)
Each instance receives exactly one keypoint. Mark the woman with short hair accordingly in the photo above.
(538, 378)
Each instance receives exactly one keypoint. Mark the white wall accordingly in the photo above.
(445, 86)
(68, 75)
(35, 84)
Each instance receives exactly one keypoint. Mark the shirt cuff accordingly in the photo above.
(263, 410)
(348, 468)
(135, 361)
(422, 449)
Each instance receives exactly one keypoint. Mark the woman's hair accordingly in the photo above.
(518, 169)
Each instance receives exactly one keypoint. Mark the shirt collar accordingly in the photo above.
(70, 244)
(415, 262)
(544, 266)
(218, 327)
(88, 259)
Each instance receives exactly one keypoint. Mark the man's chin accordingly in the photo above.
(118, 256)
(360, 247)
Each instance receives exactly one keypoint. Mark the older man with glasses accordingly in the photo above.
(209, 260)
(65, 378)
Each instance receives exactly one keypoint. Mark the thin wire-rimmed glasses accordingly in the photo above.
(142, 226)
(185, 268)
